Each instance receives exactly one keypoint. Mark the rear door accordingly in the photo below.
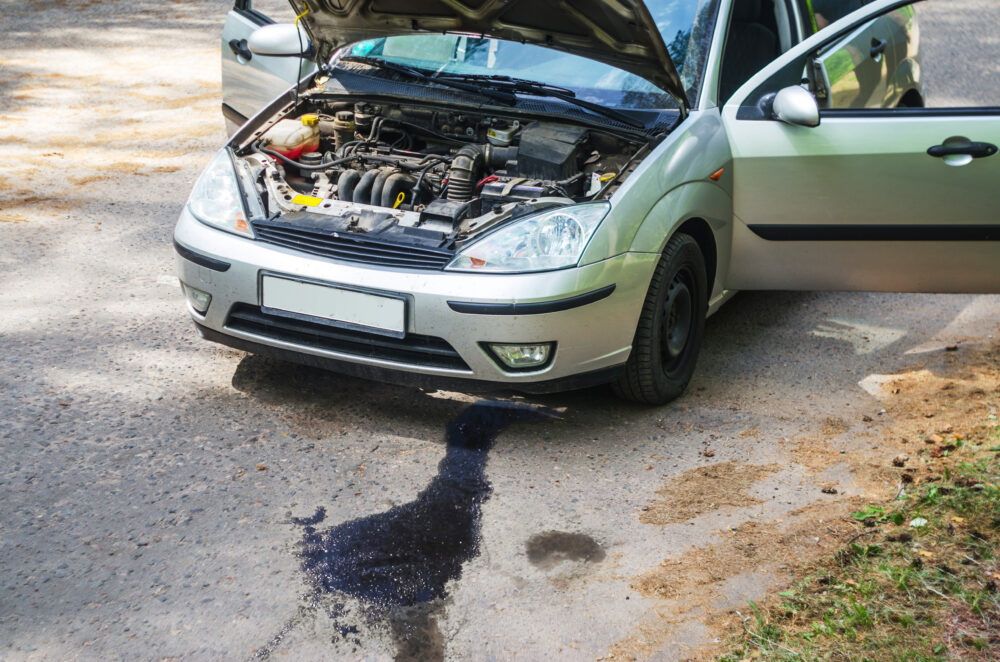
(250, 82)
(884, 198)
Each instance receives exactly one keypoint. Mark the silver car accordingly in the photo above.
(543, 195)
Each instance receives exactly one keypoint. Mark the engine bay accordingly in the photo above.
(425, 176)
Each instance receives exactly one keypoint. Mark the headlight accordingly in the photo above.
(215, 199)
(553, 239)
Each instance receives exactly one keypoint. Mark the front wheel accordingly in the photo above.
(670, 328)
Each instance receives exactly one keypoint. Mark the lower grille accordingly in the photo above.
(416, 350)
(353, 247)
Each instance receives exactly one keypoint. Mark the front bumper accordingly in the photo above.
(593, 337)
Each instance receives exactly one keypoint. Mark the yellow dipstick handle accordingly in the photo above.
(399, 200)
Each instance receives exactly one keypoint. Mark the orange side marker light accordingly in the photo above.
(715, 176)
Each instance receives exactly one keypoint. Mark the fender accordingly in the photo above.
(694, 200)
(694, 151)
(701, 202)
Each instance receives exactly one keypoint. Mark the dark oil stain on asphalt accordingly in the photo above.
(545, 550)
(396, 564)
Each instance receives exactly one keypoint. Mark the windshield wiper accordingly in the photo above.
(542, 90)
(497, 95)
(497, 87)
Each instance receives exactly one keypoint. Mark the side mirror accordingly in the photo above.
(795, 105)
(280, 40)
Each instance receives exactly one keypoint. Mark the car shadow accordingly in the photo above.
(330, 395)
(777, 338)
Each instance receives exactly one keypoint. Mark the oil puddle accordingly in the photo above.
(396, 564)
(549, 549)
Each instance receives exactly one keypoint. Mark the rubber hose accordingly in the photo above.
(326, 165)
(497, 157)
(464, 173)
(363, 191)
(346, 184)
(394, 185)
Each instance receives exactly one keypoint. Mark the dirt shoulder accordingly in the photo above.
(935, 433)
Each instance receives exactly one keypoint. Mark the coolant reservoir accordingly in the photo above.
(291, 138)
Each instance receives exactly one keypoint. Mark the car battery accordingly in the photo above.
(506, 188)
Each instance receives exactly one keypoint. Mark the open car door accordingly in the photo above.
(249, 81)
(873, 197)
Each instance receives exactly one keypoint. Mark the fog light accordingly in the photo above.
(196, 298)
(523, 357)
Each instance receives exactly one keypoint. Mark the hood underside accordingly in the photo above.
(620, 33)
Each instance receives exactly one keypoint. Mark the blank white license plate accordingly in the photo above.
(371, 311)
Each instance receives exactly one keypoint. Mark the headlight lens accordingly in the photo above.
(550, 240)
(215, 199)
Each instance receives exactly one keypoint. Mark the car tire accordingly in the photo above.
(670, 329)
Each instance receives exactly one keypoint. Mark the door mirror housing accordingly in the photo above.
(280, 40)
(795, 105)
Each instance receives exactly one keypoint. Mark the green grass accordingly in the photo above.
(898, 592)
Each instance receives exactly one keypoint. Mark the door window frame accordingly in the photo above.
(787, 76)
(798, 35)
(245, 9)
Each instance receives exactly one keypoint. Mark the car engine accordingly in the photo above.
(423, 175)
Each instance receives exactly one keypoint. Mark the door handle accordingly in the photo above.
(239, 47)
(878, 47)
(975, 150)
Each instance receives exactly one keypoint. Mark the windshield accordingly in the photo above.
(685, 25)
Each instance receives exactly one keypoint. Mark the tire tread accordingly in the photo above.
(638, 381)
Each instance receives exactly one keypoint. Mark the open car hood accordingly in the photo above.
(617, 32)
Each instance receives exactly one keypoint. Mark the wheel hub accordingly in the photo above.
(678, 313)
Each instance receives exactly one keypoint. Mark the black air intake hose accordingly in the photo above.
(497, 158)
(468, 165)
(466, 168)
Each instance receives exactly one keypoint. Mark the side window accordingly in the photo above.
(929, 53)
(820, 13)
(863, 69)
(957, 48)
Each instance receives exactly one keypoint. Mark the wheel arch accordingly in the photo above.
(701, 232)
(702, 210)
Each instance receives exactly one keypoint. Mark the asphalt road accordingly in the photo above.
(164, 498)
